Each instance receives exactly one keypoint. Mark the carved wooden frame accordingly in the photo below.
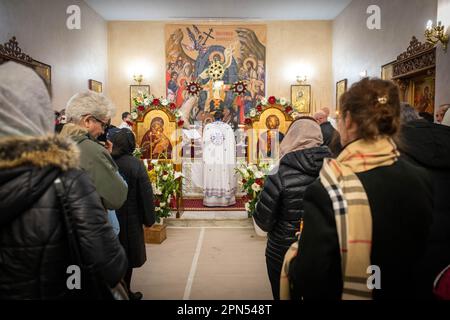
(417, 62)
(10, 51)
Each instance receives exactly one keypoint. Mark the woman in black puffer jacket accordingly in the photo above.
(34, 253)
(280, 207)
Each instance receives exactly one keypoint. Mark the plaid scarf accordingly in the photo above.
(352, 209)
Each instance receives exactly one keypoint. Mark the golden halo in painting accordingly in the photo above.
(216, 54)
(252, 61)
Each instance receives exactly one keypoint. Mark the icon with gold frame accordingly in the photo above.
(301, 98)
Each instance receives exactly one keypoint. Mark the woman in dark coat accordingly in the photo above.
(34, 252)
(367, 219)
(138, 209)
(280, 206)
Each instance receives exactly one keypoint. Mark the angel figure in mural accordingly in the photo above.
(198, 40)
(251, 64)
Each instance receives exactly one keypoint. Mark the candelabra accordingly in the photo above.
(436, 34)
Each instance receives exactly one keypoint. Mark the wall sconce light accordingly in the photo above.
(302, 78)
(436, 34)
(138, 78)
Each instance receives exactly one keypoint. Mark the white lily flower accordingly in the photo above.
(178, 175)
(146, 101)
(259, 175)
(283, 101)
(164, 102)
(162, 204)
(154, 162)
(256, 187)
(247, 206)
(246, 174)
(134, 115)
(158, 191)
(252, 112)
(157, 208)
(164, 177)
(264, 101)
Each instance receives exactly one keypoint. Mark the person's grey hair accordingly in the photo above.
(408, 113)
(91, 103)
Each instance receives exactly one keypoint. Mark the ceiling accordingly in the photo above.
(218, 9)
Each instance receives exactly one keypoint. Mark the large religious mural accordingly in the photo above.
(216, 57)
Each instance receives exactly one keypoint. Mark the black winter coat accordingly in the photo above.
(401, 202)
(33, 243)
(331, 138)
(428, 145)
(280, 206)
(138, 209)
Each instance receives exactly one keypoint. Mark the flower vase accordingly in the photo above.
(258, 230)
(161, 221)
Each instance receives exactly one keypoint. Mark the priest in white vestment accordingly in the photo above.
(219, 163)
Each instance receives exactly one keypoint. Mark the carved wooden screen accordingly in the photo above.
(414, 71)
(10, 51)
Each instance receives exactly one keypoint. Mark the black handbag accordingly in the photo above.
(93, 287)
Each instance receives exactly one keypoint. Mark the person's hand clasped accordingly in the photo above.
(109, 146)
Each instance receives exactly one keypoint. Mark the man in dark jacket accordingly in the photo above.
(428, 145)
(330, 135)
(34, 253)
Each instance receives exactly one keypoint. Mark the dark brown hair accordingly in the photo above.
(374, 105)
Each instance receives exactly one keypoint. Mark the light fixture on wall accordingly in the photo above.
(138, 78)
(302, 78)
(436, 34)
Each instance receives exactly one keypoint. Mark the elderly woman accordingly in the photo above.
(34, 250)
(369, 214)
(88, 115)
(280, 207)
(138, 209)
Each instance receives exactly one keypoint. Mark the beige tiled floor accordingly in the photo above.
(230, 265)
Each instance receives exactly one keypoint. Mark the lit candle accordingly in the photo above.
(429, 25)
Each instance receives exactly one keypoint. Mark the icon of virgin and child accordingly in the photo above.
(155, 144)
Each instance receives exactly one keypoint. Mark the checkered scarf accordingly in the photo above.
(352, 209)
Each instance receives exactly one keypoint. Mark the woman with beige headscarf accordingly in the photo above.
(280, 207)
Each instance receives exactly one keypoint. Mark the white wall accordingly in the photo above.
(75, 55)
(356, 48)
(443, 59)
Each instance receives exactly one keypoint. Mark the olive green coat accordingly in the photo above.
(100, 167)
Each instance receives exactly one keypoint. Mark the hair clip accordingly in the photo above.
(383, 100)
